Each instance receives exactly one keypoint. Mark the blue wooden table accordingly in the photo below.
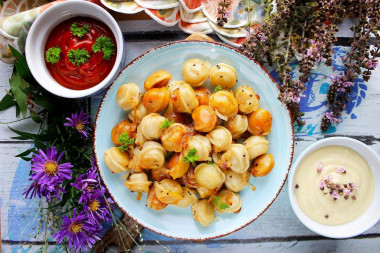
(277, 230)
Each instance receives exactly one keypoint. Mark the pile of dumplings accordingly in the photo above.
(224, 131)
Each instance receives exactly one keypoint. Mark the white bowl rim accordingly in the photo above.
(371, 157)
(140, 222)
(70, 93)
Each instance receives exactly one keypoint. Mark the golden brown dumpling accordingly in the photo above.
(156, 99)
(256, 146)
(202, 146)
(152, 156)
(160, 173)
(203, 95)
(237, 125)
(209, 175)
(128, 96)
(172, 137)
(236, 181)
(153, 202)
(224, 75)
(224, 104)
(151, 126)
(157, 79)
(227, 201)
(176, 167)
(247, 99)
(195, 72)
(262, 165)
(134, 163)
(116, 160)
(183, 97)
(168, 191)
(189, 196)
(136, 115)
(260, 122)
(236, 158)
(204, 118)
(204, 192)
(138, 182)
(220, 139)
(203, 212)
(122, 127)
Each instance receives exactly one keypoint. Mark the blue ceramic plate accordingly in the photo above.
(178, 222)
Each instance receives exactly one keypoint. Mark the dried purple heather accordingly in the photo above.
(320, 167)
(80, 234)
(80, 123)
(337, 190)
(223, 14)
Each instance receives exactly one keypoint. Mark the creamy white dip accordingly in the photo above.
(334, 185)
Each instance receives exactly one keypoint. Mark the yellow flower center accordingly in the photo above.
(51, 167)
(79, 126)
(75, 227)
(94, 205)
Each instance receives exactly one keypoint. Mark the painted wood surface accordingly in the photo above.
(277, 230)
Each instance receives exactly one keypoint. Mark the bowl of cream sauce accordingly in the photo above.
(334, 187)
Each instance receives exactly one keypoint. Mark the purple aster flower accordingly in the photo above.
(47, 169)
(97, 208)
(80, 234)
(79, 123)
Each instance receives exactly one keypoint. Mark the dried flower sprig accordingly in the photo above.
(223, 14)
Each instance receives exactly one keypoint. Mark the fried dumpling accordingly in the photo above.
(128, 96)
(236, 158)
(122, 127)
(183, 97)
(247, 99)
(201, 144)
(236, 181)
(227, 201)
(136, 115)
(209, 175)
(260, 122)
(153, 202)
(168, 191)
(116, 160)
(237, 125)
(151, 126)
(195, 72)
(203, 212)
(262, 165)
(157, 79)
(172, 138)
(189, 196)
(204, 118)
(138, 182)
(224, 75)
(156, 99)
(256, 146)
(220, 138)
(152, 156)
(224, 104)
(176, 167)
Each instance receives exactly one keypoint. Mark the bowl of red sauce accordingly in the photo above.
(75, 49)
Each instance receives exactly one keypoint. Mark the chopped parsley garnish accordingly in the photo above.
(52, 54)
(106, 45)
(78, 56)
(79, 31)
(167, 123)
(191, 157)
(125, 140)
(218, 203)
(218, 88)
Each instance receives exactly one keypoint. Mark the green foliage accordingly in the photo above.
(79, 31)
(53, 54)
(191, 156)
(167, 123)
(125, 140)
(219, 203)
(78, 56)
(218, 88)
(106, 45)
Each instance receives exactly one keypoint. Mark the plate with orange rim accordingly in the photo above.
(178, 222)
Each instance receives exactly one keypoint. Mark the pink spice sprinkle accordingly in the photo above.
(335, 195)
(320, 167)
(354, 187)
(347, 191)
(341, 170)
(329, 177)
(322, 184)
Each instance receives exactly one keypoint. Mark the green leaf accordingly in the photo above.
(6, 102)
(42, 101)
(219, 204)
(17, 83)
(52, 55)
(125, 140)
(218, 88)
(78, 56)
(167, 123)
(25, 153)
(79, 31)
(21, 65)
(36, 118)
(191, 156)
(106, 45)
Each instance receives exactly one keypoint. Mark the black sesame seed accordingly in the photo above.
(326, 216)
(193, 65)
(251, 95)
(249, 103)
(297, 186)
(150, 101)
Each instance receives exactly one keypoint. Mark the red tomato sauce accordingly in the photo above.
(85, 75)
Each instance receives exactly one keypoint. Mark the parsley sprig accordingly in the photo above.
(191, 157)
(53, 54)
(167, 123)
(106, 45)
(218, 203)
(125, 140)
(78, 56)
(218, 88)
(79, 31)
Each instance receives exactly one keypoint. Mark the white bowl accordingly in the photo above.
(361, 224)
(46, 22)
